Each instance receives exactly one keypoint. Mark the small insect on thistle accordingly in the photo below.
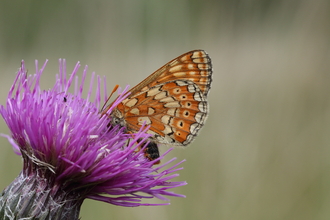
(172, 101)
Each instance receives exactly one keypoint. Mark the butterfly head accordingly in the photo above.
(117, 119)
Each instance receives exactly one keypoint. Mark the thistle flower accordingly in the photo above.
(70, 153)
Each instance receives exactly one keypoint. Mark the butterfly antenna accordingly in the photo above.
(113, 91)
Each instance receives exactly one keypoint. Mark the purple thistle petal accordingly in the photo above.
(64, 138)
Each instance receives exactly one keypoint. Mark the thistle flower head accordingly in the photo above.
(69, 151)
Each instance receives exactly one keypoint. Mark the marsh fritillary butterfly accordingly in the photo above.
(172, 101)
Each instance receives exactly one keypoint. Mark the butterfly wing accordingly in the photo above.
(172, 100)
(175, 111)
(194, 66)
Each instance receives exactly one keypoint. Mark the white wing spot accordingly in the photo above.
(202, 106)
(189, 139)
(166, 119)
(181, 83)
(161, 95)
(131, 102)
(167, 130)
(168, 140)
(200, 117)
(142, 120)
(197, 54)
(204, 73)
(192, 73)
(203, 66)
(176, 68)
(135, 111)
(179, 74)
(167, 99)
(191, 88)
(200, 60)
(194, 128)
(197, 96)
(153, 92)
(151, 111)
(172, 105)
(171, 111)
(191, 66)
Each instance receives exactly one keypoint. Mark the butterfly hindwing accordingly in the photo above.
(174, 110)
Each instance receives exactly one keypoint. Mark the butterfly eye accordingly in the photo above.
(117, 121)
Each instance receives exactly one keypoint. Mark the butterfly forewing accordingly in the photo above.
(194, 66)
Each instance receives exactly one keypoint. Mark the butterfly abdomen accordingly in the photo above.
(151, 151)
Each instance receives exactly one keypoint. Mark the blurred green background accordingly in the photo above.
(264, 152)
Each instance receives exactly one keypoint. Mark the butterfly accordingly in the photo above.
(172, 101)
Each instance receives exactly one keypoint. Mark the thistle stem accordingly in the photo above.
(32, 197)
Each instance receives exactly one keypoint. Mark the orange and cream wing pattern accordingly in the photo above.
(172, 100)
(175, 111)
(194, 66)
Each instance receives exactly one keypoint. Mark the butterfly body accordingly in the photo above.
(172, 101)
(151, 151)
